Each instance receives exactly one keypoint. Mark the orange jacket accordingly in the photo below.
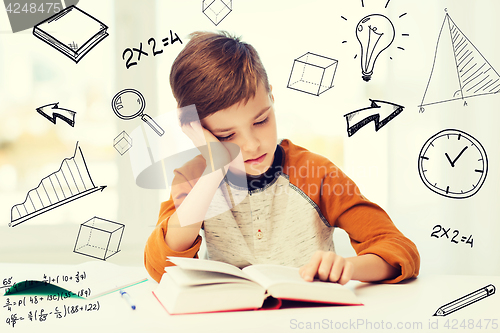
(323, 188)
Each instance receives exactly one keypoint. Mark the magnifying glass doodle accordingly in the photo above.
(129, 104)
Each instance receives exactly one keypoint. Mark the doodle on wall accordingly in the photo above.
(122, 142)
(99, 238)
(129, 104)
(71, 182)
(217, 10)
(453, 164)
(71, 31)
(312, 74)
(359, 118)
(375, 34)
(128, 53)
(466, 300)
(53, 111)
(459, 70)
(454, 235)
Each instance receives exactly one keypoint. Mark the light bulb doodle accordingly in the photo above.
(375, 33)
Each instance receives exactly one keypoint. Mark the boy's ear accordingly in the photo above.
(271, 92)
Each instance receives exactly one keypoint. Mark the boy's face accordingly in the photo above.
(252, 127)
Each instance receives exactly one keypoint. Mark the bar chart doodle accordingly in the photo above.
(70, 182)
(459, 70)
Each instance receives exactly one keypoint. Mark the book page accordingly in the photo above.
(286, 283)
(267, 275)
(189, 277)
(208, 265)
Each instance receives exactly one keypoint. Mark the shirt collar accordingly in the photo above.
(255, 183)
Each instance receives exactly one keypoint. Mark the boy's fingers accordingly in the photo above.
(327, 261)
(337, 268)
(309, 270)
(347, 273)
(329, 267)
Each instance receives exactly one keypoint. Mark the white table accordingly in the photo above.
(406, 307)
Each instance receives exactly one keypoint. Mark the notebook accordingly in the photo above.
(71, 31)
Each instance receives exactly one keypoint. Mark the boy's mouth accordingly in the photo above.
(256, 160)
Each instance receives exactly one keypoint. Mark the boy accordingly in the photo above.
(295, 198)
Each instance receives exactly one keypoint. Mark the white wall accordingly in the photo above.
(383, 163)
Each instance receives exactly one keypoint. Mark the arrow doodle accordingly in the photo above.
(52, 111)
(372, 113)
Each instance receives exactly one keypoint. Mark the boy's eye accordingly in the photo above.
(225, 138)
(262, 122)
(229, 137)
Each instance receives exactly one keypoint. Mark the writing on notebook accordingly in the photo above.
(6, 282)
(35, 299)
(57, 312)
(65, 278)
(88, 280)
(12, 286)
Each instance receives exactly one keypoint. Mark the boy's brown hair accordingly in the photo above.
(215, 71)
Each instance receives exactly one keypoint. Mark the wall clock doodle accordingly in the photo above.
(453, 164)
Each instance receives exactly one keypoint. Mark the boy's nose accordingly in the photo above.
(251, 145)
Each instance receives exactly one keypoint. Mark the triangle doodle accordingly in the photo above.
(459, 70)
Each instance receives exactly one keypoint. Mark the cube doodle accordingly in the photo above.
(312, 74)
(122, 143)
(217, 10)
(99, 238)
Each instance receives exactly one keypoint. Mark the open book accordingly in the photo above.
(88, 280)
(197, 285)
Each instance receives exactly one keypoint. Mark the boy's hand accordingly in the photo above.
(328, 266)
(219, 154)
(198, 134)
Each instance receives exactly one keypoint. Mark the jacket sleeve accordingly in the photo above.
(157, 250)
(369, 227)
